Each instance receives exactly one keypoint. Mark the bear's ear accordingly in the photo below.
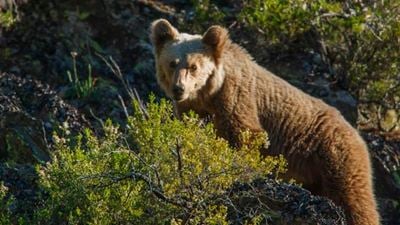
(216, 37)
(161, 32)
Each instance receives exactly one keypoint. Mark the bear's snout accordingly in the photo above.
(178, 91)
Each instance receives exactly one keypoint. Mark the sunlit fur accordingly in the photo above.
(187, 50)
(323, 151)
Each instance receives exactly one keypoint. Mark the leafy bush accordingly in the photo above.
(160, 170)
(280, 20)
(206, 13)
(358, 40)
(5, 203)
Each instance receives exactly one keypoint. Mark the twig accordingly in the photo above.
(373, 32)
(141, 105)
(123, 106)
(117, 72)
(157, 191)
(45, 136)
(178, 151)
(97, 118)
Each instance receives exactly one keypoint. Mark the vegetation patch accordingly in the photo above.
(7, 18)
(158, 170)
(358, 41)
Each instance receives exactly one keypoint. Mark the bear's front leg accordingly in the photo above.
(347, 181)
(230, 127)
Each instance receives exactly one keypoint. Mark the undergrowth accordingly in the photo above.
(158, 170)
(358, 40)
(80, 88)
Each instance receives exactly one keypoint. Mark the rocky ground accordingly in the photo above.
(292, 204)
(36, 97)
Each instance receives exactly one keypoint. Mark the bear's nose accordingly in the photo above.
(178, 90)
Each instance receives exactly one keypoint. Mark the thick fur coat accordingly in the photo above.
(214, 76)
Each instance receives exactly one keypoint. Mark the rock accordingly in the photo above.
(386, 160)
(340, 99)
(29, 113)
(289, 204)
(10, 4)
(21, 183)
(389, 120)
(22, 139)
(375, 117)
(368, 117)
(317, 59)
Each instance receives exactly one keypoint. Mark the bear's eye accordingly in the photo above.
(193, 68)
(173, 64)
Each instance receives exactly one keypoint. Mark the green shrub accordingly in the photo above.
(159, 171)
(7, 18)
(281, 21)
(5, 203)
(80, 88)
(206, 13)
(358, 40)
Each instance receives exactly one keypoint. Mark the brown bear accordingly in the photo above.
(211, 75)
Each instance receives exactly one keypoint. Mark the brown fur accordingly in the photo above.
(323, 151)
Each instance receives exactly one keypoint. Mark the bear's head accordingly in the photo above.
(187, 64)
